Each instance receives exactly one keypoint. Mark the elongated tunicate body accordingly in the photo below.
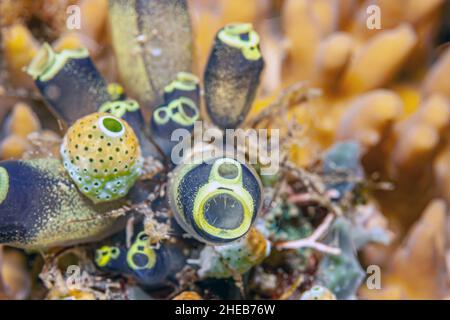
(40, 206)
(232, 75)
(69, 82)
(153, 42)
(151, 267)
(185, 85)
(215, 201)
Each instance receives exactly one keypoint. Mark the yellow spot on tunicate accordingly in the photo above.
(115, 90)
(379, 59)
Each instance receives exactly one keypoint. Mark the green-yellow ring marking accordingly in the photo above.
(119, 108)
(103, 259)
(234, 187)
(204, 225)
(141, 240)
(185, 81)
(187, 77)
(161, 115)
(230, 35)
(4, 184)
(216, 176)
(180, 117)
(238, 28)
(47, 63)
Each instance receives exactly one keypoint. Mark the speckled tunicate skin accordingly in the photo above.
(148, 65)
(136, 120)
(167, 19)
(194, 95)
(76, 90)
(43, 208)
(169, 261)
(231, 82)
(103, 167)
(184, 186)
(162, 133)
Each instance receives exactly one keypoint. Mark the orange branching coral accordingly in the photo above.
(20, 46)
(420, 134)
(94, 13)
(12, 11)
(23, 121)
(20, 124)
(383, 89)
(13, 147)
(409, 147)
(369, 117)
(378, 60)
(333, 56)
(93, 27)
(401, 124)
(442, 171)
(303, 37)
(418, 268)
(437, 79)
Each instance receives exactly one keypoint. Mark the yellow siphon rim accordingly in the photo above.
(111, 253)
(163, 114)
(218, 184)
(119, 108)
(231, 33)
(115, 91)
(204, 225)
(141, 241)
(47, 63)
(185, 81)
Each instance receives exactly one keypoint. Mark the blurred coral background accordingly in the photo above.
(386, 88)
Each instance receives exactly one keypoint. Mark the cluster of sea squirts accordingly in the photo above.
(52, 202)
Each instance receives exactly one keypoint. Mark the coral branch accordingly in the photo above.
(311, 241)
